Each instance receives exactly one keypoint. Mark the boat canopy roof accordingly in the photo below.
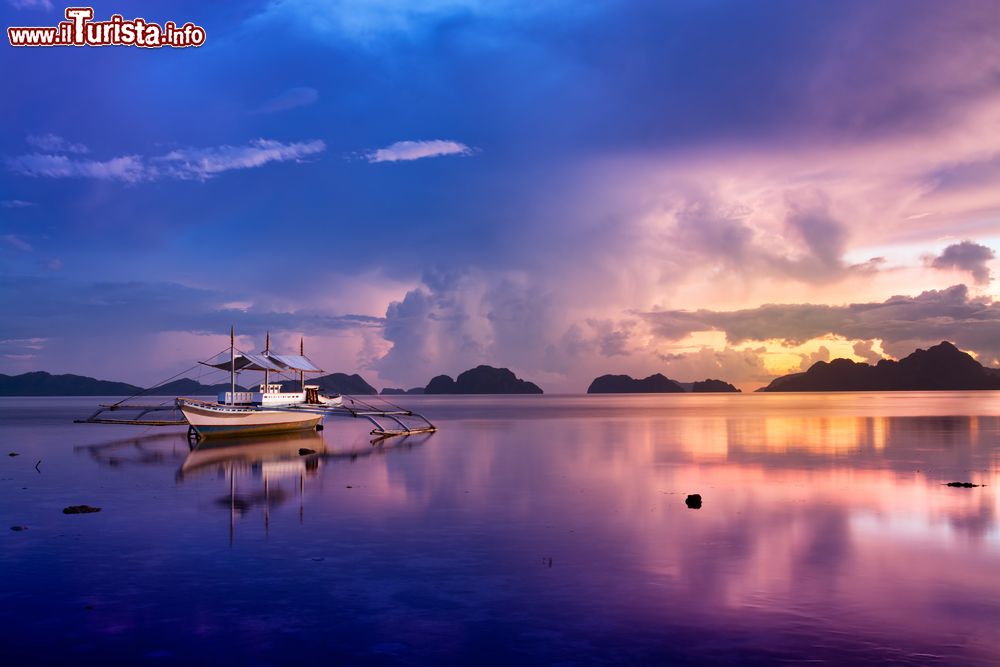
(246, 361)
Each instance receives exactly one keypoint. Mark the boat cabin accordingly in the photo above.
(266, 394)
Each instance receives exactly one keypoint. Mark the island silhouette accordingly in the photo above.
(942, 367)
(654, 384)
(482, 380)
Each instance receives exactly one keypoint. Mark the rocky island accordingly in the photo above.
(40, 383)
(336, 383)
(482, 380)
(941, 367)
(625, 384)
(395, 391)
(713, 387)
(654, 384)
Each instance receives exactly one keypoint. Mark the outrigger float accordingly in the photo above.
(269, 409)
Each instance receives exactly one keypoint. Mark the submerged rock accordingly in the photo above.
(305, 451)
(80, 509)
(964, 485)
(693, 501)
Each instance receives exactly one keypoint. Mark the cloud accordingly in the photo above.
(16, 242)
(865, 350)
(22, 346)
(458, 319)
(417, 150)
(821, 354)
(966, 256)
(204, 163)
(51, 143)
(16, 203)
(900, 322)
(184, 163)
(128, 168)
(801, 239)
(36, 305)
(613, 337)
(741, 367)
(156, 329)
(371, 21)
(289, 99)
(31, 4)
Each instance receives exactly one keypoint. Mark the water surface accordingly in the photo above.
(531, 530)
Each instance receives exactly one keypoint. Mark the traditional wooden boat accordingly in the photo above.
(270, 408)
(217, 420)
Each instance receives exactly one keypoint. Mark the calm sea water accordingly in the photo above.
(528, 530)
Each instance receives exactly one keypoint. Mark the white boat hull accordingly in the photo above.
(213, 420)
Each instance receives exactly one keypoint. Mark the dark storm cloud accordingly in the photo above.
(48, 307)
(901, 322)
(967, 256)
(818, 241)
(456, 319)
(536, 88)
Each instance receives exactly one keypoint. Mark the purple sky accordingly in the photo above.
(702, 189)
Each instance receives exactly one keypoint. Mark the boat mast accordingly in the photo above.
(302, 352)
(267, 353)
(232, 365)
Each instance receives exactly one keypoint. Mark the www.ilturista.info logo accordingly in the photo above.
(79, 29)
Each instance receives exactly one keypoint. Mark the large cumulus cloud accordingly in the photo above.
(966, 256)
(901, 322)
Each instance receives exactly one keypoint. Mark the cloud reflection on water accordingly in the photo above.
(558, 525)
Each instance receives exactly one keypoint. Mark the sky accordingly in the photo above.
(698, 188)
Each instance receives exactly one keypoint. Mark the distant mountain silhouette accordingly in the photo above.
(336, 383)
(625, 384)
(482, 380)
(941, 367)
(189, 387)
(712, 386)
(40, 383)
(393, 390)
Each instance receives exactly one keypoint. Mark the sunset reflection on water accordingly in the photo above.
(543, 529)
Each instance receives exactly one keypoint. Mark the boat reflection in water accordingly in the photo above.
(261, 469)
(262, 465)
(262, 472)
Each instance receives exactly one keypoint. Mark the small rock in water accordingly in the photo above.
(19, 528)
(964, 485)
(693, 501)
(305, 451)
(13, 454)
(80, 509)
